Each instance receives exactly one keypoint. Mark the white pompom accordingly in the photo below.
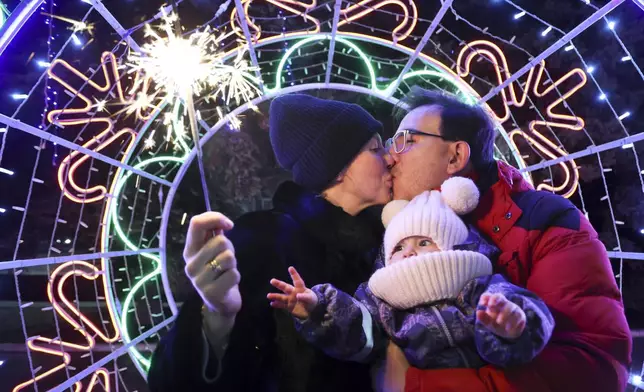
(391, 209)
(460, 194)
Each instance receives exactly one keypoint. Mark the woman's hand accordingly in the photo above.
(211, 264)
(297, 299)
(501, 316)
(390, 374)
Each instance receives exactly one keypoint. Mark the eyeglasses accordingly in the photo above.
(399, 140)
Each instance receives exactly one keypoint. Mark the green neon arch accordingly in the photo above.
(467, 96)
(129, 299)
(299, 44)
(4, 14)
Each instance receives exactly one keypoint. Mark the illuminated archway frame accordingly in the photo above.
(173, 186)
(385, 94)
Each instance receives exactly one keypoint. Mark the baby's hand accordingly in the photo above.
(501, 316)
(297, 299)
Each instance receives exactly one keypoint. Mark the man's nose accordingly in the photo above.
(389, 160)
(393, 155)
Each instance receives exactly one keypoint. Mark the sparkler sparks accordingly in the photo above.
(140, 103)
(179, 65)
(236, 81)
(183, 67)
(149, 143)
(234, 122)
(100, 104)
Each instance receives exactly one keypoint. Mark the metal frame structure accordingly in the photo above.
(16, 20)
(249, 41)
(428, 33)
(599, 14)
(211, 131)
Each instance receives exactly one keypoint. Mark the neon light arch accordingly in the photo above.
(110, 219)
(299, 44)
(457, 83)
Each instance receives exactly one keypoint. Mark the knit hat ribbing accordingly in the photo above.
(431, 214)
(316, 138)
(428, 277)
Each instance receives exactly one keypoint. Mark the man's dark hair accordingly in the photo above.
(459, 122)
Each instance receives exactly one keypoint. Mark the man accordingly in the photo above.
(547, 246)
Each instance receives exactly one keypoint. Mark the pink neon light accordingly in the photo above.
(362, 9)
(106, 379)
(283, 4)
(87, 192)
(59, 302)
(494, 54)
(367, 9)
(110, 72)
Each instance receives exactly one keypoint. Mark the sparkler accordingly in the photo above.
(236, 81)
(192, 66)
(184, 67)
(149, 143)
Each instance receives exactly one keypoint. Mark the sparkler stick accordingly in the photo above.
(192, 116)
(195, 136)
(183, 67)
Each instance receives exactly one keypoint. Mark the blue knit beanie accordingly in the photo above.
(317, 138)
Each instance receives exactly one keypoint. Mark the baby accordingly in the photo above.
(437, 301)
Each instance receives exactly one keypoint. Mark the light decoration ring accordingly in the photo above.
(439, 70)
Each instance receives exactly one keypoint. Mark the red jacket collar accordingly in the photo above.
(499, 174)
(497, 212)
(503, 174)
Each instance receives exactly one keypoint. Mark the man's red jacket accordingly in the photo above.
(548, 246)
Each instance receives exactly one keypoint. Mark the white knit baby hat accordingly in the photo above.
(431, 214)
(433, 276)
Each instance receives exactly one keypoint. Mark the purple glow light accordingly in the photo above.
(639, 3)
(15, 22)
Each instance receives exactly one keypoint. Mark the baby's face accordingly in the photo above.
(412, 246)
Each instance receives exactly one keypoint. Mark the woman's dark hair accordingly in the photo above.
(459, 122)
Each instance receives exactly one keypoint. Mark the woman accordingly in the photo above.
(228, 338)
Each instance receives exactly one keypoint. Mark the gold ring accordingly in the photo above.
(216, 267)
